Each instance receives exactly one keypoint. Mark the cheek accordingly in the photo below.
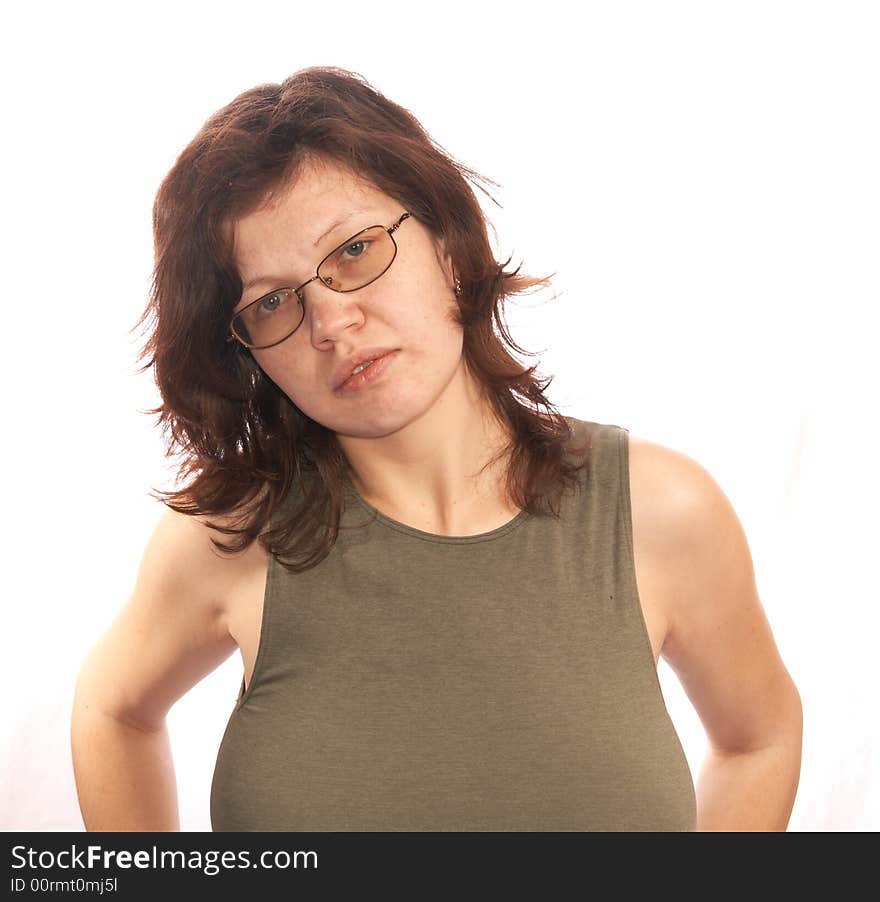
(282, 368)
(433, 321)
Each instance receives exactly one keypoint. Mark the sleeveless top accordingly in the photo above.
(495, 682)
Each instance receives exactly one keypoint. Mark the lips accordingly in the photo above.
(371, 376)
(347, 368)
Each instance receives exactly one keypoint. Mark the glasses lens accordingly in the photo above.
(359, 261)
(270, 319)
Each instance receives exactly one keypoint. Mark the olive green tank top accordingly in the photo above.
(493, 682)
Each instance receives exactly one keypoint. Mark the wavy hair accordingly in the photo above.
(243, 444)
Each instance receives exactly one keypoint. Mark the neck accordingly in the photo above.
(430, 473)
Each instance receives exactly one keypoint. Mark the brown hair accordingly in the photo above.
(241, 438)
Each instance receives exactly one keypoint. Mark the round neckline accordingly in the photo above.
(406, 529)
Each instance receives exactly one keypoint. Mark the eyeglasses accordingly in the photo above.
(356, 263)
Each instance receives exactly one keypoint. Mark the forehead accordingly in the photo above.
(293, 217)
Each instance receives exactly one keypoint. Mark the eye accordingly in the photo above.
(355, 249)
(270, 303)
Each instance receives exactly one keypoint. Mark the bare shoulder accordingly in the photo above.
(229, 574)
(718, 638)
(664, 480)
(171, 632)
(183, 566)
(665, 488)
(674, 500)
(678, 504)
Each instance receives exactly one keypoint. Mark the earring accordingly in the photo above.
(457, 288)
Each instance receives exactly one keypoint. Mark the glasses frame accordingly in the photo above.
(234, 336)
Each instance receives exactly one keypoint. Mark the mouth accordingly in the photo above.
(369, 375)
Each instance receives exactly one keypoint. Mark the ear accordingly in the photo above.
(444, 258)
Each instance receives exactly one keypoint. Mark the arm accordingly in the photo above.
(124, 774)
(170, 635)
(720, 645)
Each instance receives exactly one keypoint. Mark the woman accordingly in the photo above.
(449, 605)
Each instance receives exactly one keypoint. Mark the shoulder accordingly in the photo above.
(684, 518)
(672, 493)
(186, 546)
(668, 492)
(171, 632)
(183, 545)
(211, 526)
(719, 641)
(685, 526)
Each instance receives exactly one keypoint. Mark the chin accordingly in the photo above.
(382, 419)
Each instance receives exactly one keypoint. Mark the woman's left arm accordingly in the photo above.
(720, 645)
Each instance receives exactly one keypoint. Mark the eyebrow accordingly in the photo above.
(274, 280)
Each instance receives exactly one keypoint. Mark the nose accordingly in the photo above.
(329, 311)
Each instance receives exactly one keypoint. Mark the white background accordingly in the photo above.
(702, 177)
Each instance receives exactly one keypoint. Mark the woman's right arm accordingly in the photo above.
(169, 635)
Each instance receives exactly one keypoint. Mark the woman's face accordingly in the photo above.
(409, 308)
